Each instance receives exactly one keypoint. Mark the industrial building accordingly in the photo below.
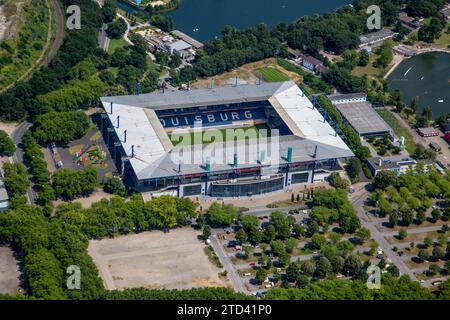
(302, 148)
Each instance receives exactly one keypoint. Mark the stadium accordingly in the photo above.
(230, 141)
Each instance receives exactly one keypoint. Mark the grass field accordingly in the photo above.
(116, 44)
(398, 129)
(273, 75)
(188, 139)
(444, 39)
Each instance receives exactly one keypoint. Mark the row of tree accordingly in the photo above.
(50, 245)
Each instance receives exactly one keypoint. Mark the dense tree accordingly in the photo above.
(337, 181)
(323, 267)
(385, 178)
(165, 23)
(221, 215)
(385, 54)
(117, 28)
(363, 235)
(16, 178)
(241, 236)
(70, 184)
(109, 10)
(261, 275)
(61, 126)
(7, 146)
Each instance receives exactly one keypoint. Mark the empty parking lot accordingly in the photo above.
(173, 260)
(9, 271)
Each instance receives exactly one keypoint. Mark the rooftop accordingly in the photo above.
(349, 96)
(153, 151)
(376, 36)
(196, 44)
(179, 45)
(390, 162)
(363, 118)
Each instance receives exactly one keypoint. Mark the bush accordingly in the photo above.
(402, 234)
(7, 146)
(114, 185)
(337, 181)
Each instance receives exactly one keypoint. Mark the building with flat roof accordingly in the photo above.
(286, 140)
(183, 36)
(372, 38)
(428, 132)
(396, 164)
(359, 113)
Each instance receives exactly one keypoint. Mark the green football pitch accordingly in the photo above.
(213, 135)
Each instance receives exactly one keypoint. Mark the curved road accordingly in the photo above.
(60, 22)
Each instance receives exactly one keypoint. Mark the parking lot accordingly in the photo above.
(173, 260)
(9, 271)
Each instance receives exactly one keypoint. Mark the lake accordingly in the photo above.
(209, 16)
(427, 76)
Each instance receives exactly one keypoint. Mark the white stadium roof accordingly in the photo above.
(152, 146)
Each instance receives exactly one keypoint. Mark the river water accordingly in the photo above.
(204, 19)
(427, 76)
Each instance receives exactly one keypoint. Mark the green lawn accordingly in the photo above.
(399, 129)
(273, 75)
(116, 44)
(188, 138)
(444, 40)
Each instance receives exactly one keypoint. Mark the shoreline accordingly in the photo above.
(141, 8)
(419, 52)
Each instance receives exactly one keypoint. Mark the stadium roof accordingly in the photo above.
(201, 97)
(152, 148)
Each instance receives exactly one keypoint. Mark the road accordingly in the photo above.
(358, 204)
(413, 231)
(60, 25)
(235, 279)
(103, 40)
(17, 157)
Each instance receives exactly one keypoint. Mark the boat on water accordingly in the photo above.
(441, 101)
(407, 71)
